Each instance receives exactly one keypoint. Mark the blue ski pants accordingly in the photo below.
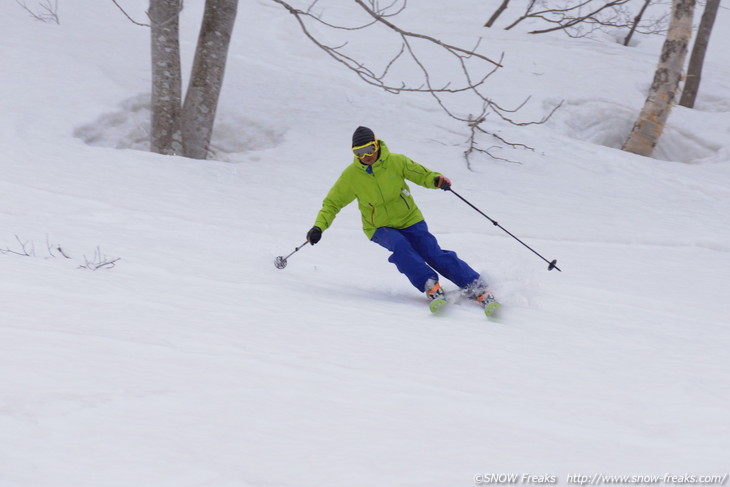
(416, 253)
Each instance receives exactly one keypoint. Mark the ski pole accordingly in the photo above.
(553, 263)
(280, 262)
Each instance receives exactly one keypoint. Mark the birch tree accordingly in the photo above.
(658, 105)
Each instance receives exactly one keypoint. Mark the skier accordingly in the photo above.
(390, 218)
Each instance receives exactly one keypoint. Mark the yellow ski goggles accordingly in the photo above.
(365, 150)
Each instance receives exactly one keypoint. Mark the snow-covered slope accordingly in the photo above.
(195, 362)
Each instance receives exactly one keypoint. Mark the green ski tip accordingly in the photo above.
(436, 304)
(491, 308)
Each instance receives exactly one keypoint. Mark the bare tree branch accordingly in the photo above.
(51, 247)
(471, 67)
(579, 18)
(454, 49)
(128, 16)
(367, 74)
(48, 11)
(27, 249)
(99, 261)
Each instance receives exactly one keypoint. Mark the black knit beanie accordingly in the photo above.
(362, 136)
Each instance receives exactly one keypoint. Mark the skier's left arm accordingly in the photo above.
(423, 176)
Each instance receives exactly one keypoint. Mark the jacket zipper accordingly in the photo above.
(406, 202)
(382, 197)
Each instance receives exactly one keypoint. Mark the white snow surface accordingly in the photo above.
(195, 362)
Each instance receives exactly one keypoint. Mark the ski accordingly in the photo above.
(436, 304)
(491, 308)
(488, 303)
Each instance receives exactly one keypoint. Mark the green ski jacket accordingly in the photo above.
(382, 194)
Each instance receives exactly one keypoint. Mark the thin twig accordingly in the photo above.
(466, 60)
(128, 16)
(51, 10)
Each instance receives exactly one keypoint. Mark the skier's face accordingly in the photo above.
(367, 153)
(368, 160)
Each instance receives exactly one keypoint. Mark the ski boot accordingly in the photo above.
(479, 292)
(487, 300)
(435, 294)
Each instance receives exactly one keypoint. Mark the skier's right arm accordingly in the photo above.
(338, 197)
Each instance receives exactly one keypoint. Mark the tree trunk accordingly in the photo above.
(637, 19)
(206, 80)
(694, 72)
(497, 13)
(648, 128)
(528, 11)
(166, 77)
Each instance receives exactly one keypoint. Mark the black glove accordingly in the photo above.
(442, 182)
(314, 235)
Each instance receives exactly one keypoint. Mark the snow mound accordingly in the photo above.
(608, 123)
(126, 128)
(129, 128)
